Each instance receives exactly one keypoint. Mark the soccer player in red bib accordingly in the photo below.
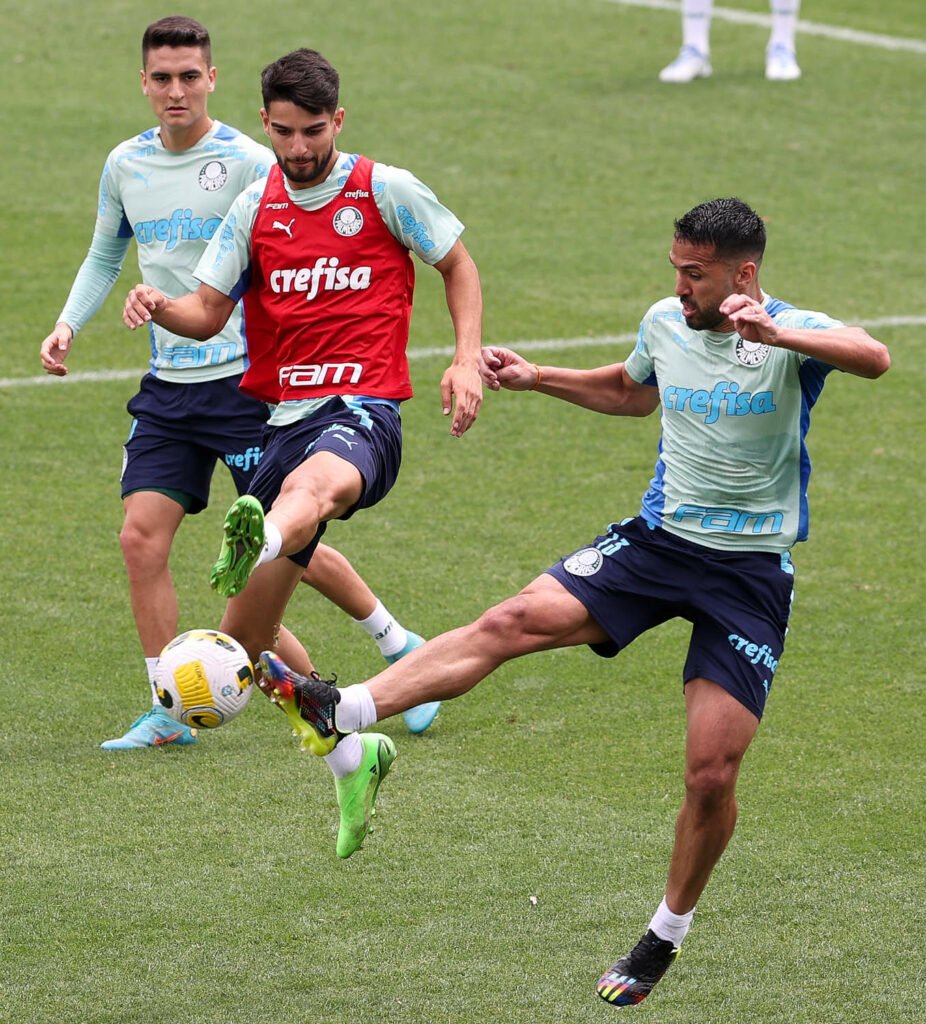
(320, 254)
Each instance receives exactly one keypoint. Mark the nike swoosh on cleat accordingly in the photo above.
(159, 741)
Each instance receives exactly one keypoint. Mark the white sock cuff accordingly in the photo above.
(671, 927)
(346, 756)
(356, 709)
(273, 543)
(389, 635)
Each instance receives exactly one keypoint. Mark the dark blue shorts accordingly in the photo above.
(635, 577)
(180, 430)
(369, 438)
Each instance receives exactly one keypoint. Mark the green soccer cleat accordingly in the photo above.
(308, 702)
(241, 546)
(357, 791)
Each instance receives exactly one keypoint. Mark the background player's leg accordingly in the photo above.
(333, 576)
(150, 524)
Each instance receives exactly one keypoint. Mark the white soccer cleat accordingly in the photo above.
(781, 65)
(687, 66)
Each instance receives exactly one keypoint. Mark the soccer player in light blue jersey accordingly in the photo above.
(734, 374)
(169, 188)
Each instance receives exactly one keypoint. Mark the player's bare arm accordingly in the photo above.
(55, 350)
(201, 314)
(606, 389)
(461, 385)
(847, 348)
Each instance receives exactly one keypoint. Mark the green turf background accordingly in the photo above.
(201, 885)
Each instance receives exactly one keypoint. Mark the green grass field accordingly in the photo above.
(201, 884)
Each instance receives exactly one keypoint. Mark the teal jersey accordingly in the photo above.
(733, 468)
(172, 203)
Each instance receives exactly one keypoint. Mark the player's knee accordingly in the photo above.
(141, 546)
(505, 624)
(711, 783)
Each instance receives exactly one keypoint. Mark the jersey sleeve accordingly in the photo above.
(640, 364)
(414, 214)
(226, 263)
(110, 215)
(94, 280)
(103, 262)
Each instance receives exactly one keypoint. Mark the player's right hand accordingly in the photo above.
(504, 368)
(55, 350)
(140, 303)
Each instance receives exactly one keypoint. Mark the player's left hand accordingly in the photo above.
(750, 319)
(461, 394)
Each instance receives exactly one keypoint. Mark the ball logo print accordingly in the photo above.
(348, 221)
(204, 678)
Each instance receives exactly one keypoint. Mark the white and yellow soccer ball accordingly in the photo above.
(204, 678)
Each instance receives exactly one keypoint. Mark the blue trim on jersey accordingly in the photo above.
(775, 306)
(356, 405)
(351, 162)
(654, 500)
(154, 350)
(147, 136)
(241, 285)
(812, 376)
(226, 133)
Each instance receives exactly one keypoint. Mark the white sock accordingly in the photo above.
(151, 664)
(355, 710)
(389, 635)
(784, 23)
(696, 24)
(671, 927)
(273, 541)
(346, 756)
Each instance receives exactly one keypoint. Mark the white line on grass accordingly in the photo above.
(811, 28)
(529, 345)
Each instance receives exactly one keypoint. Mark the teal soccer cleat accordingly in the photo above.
(419, 718)
(154, 728)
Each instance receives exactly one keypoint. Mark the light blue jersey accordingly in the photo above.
(733, 467)
(172, 203)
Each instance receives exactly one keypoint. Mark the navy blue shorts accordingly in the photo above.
(369, 438)
(180, 430)
(635, 577)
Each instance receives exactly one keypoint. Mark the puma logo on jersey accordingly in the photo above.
(327, 275)
(288, 228)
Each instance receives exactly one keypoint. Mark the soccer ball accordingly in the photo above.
(204, 678)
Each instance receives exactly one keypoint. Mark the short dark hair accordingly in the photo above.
(732, 227)
(176, 31)
(303, 77)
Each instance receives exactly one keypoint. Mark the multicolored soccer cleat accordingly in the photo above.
(357, 791)
(241, 546)
(155, 728)
(416, 719)
(308, 701)
(632, 978)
